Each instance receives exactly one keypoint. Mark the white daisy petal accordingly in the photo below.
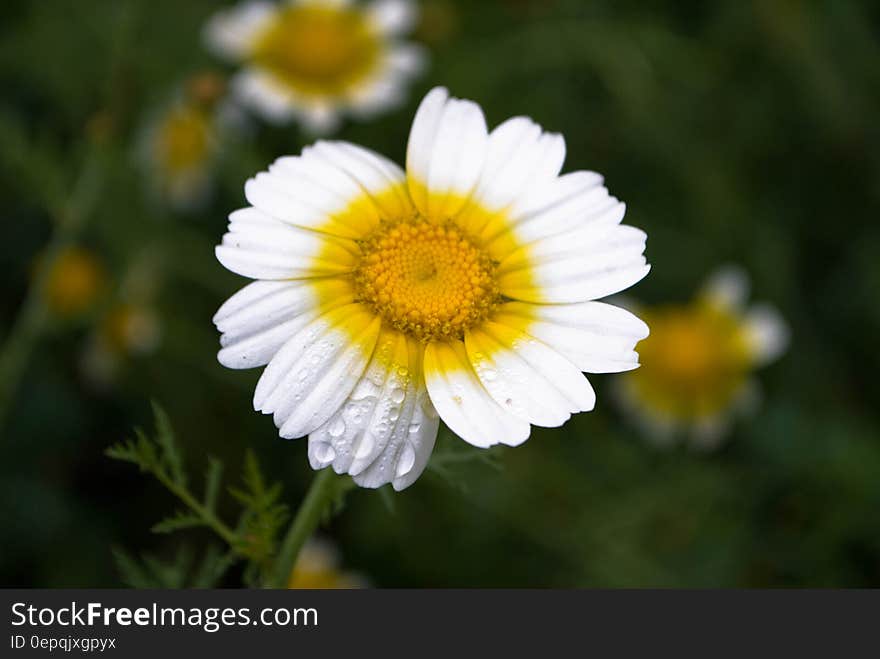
(406, 59)
(576, 266)
(263, 315)
(376, 176)
(259, 91)
(260, 247)
(333, 187)
(320, 117)
(567, 203)
(526, 377)
(462, 402)
(384, 432)
(586, 242)
(360, 430)
(416, 450)
(387, 88)
(728, 288)
(521, 157)
(392, 17)
(767, 333)
(596, 337)
(231, 32)
(446, 152)
(315, 371)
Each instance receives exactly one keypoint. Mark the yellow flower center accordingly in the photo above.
(74, 283)
(427, 280)
(184, 139)
(318, 50)
(694, 362)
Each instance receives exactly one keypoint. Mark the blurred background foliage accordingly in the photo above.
(738, 132)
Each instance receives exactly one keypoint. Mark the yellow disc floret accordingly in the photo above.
(427, 280)
(318, 50)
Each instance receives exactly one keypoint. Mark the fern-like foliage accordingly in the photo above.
(253, 539)
(148, 571)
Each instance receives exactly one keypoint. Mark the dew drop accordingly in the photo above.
(337, 427)
(406, 461)
(324, 453)
(397, 395)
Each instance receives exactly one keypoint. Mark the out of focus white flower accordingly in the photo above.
(181, 144)
(313, 60)
(696, 365)
(124, 332)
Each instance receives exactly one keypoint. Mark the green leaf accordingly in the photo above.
(131, 571)
(165, 439)
(180, 520)
(213, 566)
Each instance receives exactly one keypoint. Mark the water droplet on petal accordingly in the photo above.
(324, 453)
(406, 461)
(397, 395)
(337, 427)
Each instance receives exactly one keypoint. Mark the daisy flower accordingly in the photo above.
(463, 288)
(313, 59)
(126, 330)
(179, 151)
(76, 281)
(697, 363)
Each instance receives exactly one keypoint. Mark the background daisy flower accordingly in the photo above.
(318, 567)
(697, 363)
(314, 59)
(126, 330)
(462, 289)
(181, 145)
(76, 281)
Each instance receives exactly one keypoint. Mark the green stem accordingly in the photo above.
(32, 319)
(309, 515)
(203, 512)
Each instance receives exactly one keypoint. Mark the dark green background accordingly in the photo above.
(741, 132)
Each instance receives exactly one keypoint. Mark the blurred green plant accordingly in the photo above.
(254, 539)
(182, 571)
